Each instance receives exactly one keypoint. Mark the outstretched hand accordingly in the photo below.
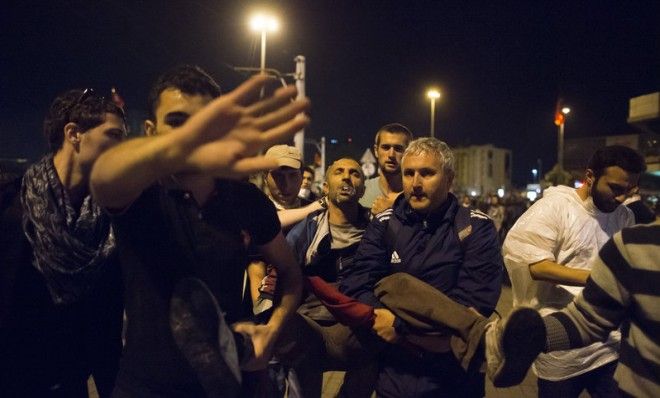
(225, 137)
(262, 338)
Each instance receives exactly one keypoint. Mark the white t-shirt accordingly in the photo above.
(562, 228)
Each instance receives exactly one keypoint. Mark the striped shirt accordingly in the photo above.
(623, 289)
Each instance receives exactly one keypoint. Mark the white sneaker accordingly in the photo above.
(512, 344)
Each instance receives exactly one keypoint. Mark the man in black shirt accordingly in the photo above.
(175, 221)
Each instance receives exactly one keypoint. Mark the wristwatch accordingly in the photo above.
(323, 202)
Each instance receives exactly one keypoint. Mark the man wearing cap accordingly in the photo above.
(283, 183)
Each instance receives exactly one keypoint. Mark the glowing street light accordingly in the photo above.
(433, 94)
(264, 23)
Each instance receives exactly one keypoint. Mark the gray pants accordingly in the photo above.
(310, 348)
(429, 312)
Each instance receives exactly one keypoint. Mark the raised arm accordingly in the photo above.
(290, 217)
(221, 140)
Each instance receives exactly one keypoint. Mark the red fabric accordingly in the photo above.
(346, 310)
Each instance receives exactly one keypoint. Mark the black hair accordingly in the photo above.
(394, 128)
(189, 79)
(616, 155)
(308, 169)
(79, 106)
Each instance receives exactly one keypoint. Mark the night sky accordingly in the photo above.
(500, 65)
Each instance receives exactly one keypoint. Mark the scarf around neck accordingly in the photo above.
(70, 247)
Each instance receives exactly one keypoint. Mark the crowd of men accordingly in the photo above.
(155, 266)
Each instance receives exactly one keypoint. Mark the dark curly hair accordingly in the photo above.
(616, 155)
(190, 79)
(79, 106)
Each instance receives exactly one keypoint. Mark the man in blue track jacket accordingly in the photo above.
(428, 273)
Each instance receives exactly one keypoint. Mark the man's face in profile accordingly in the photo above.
(612, 187)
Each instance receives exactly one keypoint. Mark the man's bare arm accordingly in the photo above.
(550, 271)
(220, 140)
(290, 217)
(289, 280)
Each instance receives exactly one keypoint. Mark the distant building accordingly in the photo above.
(482, 169)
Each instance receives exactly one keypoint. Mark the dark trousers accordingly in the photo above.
(404, 374)
(598, 382)
(310, 348)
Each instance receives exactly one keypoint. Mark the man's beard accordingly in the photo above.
(598, 201)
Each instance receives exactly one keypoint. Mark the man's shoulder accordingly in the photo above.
(384, 216)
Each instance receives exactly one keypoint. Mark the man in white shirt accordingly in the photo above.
(547, 255)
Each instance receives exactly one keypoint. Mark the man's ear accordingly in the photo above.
(72, 134)
(376, 151)
(149, 128)
(325, 188)
(590, 177)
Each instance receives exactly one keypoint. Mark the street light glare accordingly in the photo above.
(264, 23)
(565, 110)
(433, 94)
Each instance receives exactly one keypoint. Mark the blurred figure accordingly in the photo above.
(307, 183)
(496, 211)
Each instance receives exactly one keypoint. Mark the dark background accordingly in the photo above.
(501, 66)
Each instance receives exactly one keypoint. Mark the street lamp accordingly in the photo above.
(559, 121)
(433, 94)
(264, 23)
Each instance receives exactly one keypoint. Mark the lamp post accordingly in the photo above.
(560, 144)
(433, 94)
(263, 23)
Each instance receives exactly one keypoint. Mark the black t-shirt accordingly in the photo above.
(165, 236)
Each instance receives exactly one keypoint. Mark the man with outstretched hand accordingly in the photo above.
(183, 234)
